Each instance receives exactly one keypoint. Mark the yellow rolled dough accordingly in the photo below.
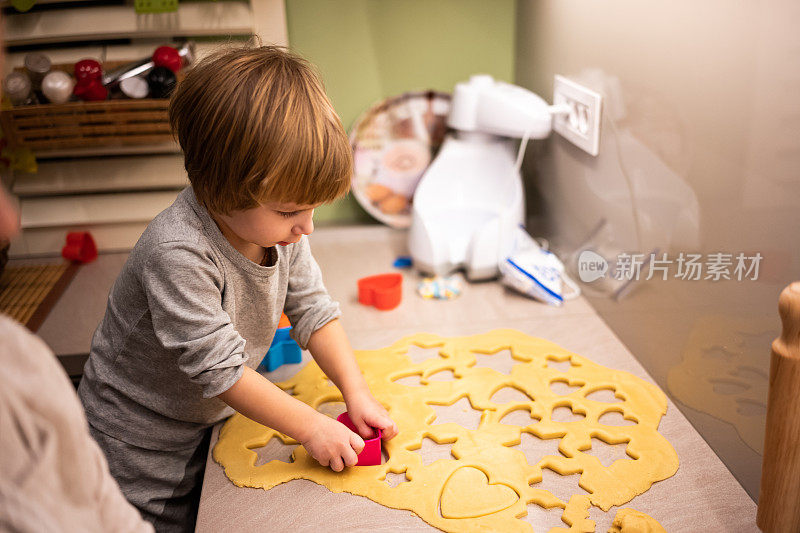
(467, 493)
(576, 515)
(630, 521)
(486, 484)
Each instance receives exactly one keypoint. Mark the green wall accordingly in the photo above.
(367, 50)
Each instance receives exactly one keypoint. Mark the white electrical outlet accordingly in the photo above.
(581, 125)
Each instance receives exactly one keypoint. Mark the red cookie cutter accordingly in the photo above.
(371, 454)
(80, 247)
(383, 291)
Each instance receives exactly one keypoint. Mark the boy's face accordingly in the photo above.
(271, 223)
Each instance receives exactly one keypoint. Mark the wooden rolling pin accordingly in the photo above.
(779, 502)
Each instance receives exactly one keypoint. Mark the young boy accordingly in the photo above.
(197, 303)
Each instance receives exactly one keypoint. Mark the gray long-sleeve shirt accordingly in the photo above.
(185, 315)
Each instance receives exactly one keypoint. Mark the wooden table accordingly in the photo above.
(701, 496)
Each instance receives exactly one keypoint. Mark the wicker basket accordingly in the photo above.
(87, 124)
(82, 125)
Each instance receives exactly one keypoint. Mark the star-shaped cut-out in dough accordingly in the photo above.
(543, 520)
(418, 354)
(562, 366)
(535, 448)
(606, 453)
(275, 450)
(393, 480)
(460, 412)
(431, 451)
(501, 361)
(562, 487)
(602, 519)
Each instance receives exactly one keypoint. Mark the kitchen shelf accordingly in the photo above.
(192, 19)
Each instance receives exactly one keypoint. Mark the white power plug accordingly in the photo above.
(576, 114)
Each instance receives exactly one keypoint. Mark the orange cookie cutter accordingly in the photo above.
(383, 291)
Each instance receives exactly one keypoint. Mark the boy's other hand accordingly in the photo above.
(332, 444)
(366, 413)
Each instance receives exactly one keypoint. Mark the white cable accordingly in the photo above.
(521, 153)
(574, 287)
(559, 109)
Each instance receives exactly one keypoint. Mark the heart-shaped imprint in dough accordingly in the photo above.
(467, 493)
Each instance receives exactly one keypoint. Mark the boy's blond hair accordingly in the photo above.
(256, 125)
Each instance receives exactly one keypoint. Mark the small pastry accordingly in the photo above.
(394, 204)
(377, 193)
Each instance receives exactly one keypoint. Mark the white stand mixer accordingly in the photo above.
(469, 204)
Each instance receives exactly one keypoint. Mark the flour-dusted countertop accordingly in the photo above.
(701, 496)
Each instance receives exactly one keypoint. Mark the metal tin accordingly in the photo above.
(37, 64)
(17, 87)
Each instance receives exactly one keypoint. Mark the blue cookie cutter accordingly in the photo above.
(283, 351)
(403, 261)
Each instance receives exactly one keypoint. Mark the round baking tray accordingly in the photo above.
(393, 143)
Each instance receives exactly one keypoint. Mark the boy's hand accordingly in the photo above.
(332, 444)
(366, 413)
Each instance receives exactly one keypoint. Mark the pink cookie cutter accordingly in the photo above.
(371, 454)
